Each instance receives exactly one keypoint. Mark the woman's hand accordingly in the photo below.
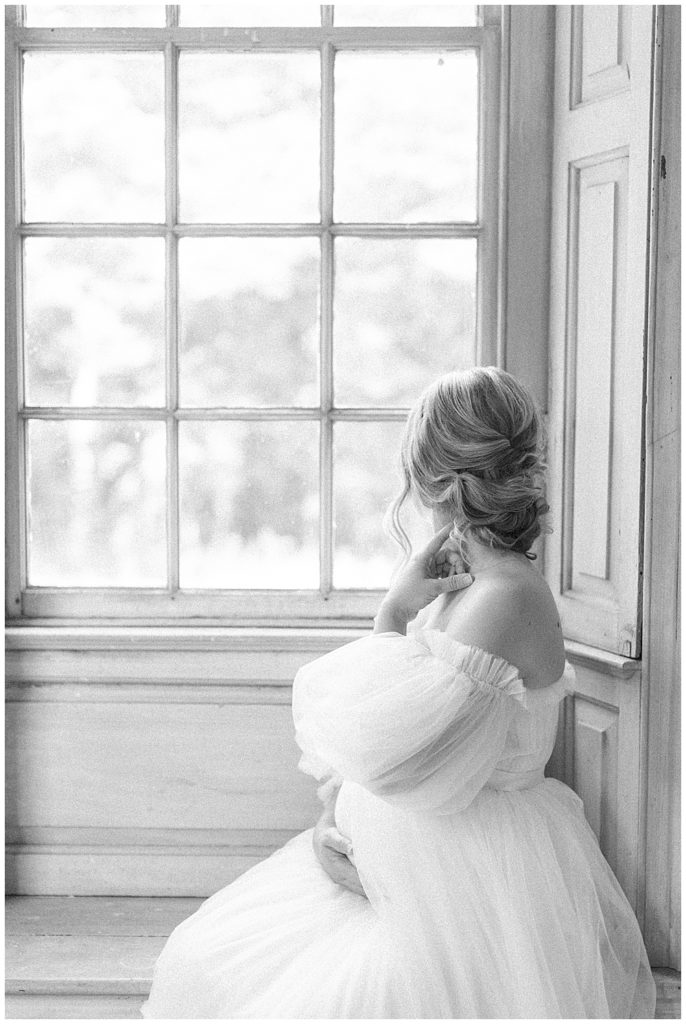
(448, 561)
(434, 570)
(334, 852)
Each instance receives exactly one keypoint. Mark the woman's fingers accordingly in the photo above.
(434, 545)
(334, 852)
(335, 840)
(459, 581)
(343, 873)
(446, 562)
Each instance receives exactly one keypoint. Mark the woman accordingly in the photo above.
(447, 878)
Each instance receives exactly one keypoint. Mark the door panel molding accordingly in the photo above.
(597, 332)
(598, 52)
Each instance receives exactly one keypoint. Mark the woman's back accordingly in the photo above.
(510, 612)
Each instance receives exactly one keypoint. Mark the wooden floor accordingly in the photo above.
(77, 957)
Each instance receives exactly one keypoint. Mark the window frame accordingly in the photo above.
(345, 607)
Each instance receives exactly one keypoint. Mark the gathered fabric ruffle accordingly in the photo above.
(419, 720)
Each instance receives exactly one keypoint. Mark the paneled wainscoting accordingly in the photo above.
(152, 764)
(162, 762)
(92, 957)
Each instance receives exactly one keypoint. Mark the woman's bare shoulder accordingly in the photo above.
(513, 616)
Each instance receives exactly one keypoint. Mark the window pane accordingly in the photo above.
(404, 14)
(404, 312)
(249, 321)
(366, 478)
(94, 137)
(249, 14)
(96, 504)
(92, 15)
(406, 136)
(249, 505)
(94, 321)
(249, 137)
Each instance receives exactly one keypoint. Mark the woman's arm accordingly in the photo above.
(420, 582)
(432, 571)
(333, 850)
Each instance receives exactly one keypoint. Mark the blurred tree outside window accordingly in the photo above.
(239, 268)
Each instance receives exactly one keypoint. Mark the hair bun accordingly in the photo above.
(503, 513)
(474, 442)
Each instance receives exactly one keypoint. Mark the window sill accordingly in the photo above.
(30, 637)
(319, 639)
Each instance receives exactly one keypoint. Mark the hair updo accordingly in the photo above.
(473, 443)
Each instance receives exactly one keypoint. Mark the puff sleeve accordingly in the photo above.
(418, 720)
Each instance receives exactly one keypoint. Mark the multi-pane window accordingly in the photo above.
(245, 237)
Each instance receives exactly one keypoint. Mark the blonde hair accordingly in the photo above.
(473, 442)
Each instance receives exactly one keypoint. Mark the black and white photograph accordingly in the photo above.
(342, 511)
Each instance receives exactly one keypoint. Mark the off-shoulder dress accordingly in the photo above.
(488, 895)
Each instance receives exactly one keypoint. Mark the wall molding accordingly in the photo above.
(604, 662)
(146, 691)
(176, 638)
(31, 639)
(603, 81)
(227, 843)
(167, 713)
(194, 663)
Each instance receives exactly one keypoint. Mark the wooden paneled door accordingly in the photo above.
(602, 161)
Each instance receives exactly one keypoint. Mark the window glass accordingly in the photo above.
(96, 504)
(93, 136)
(262, 15)
(406, 130)
(404, 312)
(404, 14)
(94, 15)
(249, 137)
(94, 321)
(249, 321)
(366, 477)
(249, 505)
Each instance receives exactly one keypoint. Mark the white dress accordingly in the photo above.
(488, 893)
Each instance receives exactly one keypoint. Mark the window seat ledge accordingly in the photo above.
(190, 638)
(72, 957)
(180, 638)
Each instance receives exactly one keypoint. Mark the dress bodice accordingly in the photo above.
(423, 721)
(533, 728)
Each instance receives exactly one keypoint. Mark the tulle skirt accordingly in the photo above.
(507, 909)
